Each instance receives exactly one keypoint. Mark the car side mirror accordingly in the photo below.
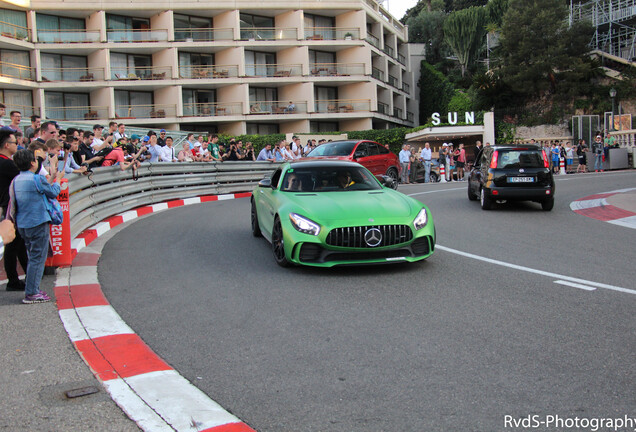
(266, 183)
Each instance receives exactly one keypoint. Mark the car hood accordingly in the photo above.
(355, 208)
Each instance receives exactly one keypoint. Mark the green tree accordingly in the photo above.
(427, 28)
(464, 32)
(436, 91)
(539, 53)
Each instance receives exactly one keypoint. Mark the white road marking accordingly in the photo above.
(575, 285)
(535, 271)
(435, 191)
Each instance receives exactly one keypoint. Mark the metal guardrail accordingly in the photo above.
(110, 191)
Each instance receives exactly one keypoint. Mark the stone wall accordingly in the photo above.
(544, 131)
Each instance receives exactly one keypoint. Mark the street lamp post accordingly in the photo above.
(613, 96)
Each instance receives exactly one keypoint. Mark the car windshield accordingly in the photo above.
(339, 148)
(511, 159)
(329, 179)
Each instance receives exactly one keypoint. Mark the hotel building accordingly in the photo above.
(230, 67)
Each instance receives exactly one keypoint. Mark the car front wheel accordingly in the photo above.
(486, 202)
(278, 244)
(392, 172)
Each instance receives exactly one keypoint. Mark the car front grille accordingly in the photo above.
(354, 237)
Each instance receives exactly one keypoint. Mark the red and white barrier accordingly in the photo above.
(562, 166)
(442, 172)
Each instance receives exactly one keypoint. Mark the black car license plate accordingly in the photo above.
(520, 179)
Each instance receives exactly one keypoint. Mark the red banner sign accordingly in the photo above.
(61, 234)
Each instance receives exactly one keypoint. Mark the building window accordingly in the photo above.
(130, 66)
(260, 63)
(321, 57)
(15, 64)
(133, 104)
(316, 126)
(192, 28)
(326, 99)
(66, 106)
(127, 29)
(13, 24)
(198, 103)
(261, 128)
(256, 27)
(261, 99)
(52, 22)
(195, 65)
(18, 100)
(59, 67)
(317, 25)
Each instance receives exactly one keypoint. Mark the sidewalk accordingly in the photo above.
(616, 207)
(39, 365)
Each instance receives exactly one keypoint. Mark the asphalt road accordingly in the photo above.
(452, 343)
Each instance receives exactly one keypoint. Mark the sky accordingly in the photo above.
(398, 7)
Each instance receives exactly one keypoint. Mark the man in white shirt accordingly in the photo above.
(169, 154)
(98, 142)
(120, 132)
(405, 159)
(426, 158)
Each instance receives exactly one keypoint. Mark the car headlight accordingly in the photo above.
(304, 225)
(420, 220)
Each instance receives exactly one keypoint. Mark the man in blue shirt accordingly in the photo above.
(266, 154)
(405, 159)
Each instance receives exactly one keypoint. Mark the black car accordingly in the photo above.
(511, 173)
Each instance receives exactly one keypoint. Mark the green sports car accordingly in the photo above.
(328, 212)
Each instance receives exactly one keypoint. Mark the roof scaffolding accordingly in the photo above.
(615, 24)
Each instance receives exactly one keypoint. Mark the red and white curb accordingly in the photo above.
(597, 207)
(148, 390)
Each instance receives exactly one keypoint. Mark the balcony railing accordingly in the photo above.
(388, 50)
(209, 109)
(397, 112)
(202, 34)
(18, 71)
(145, 111)
(336, 69)
(76, 113)
(383, 108)
(273, 70)
(410, 116)
(377, 74)
(73, 74)
(141, 73)
(343, 105)
(331, 33)
(406, 87)
(14, 31)
(26, 110)
(402, 59)
(158, 35)
(68, 36)
(393, 81)
(373, 40)
(268, 34)
(277, 107)
(207, 71)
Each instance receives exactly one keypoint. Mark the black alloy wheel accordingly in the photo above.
(486, 202)
(256, 229)
(278, 244)
(392, 172)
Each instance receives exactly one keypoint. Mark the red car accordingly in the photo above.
(373, 156)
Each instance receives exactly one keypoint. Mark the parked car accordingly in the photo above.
(512, 173)
(330, 212)
(433, 176)
(373, 156)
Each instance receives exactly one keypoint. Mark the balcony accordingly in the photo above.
(26, 110)
(343, 106)
(12, 70)
(377, 74)
(77, 113)
(397, 112)
(203, 34)
(273, 70)
(331, 33)
(402, 59)
(388, 51)
(383, 108)
(212, 109)
(406, 88)
(336, 69)
(373, 40)
(410, 116)
(268, 34)
(159, 35)
(73, 74)
(68, 36)
(393, 81)
(14, 31)
(207, 71)
(277, 107)
(141, 73)
(145, 111)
